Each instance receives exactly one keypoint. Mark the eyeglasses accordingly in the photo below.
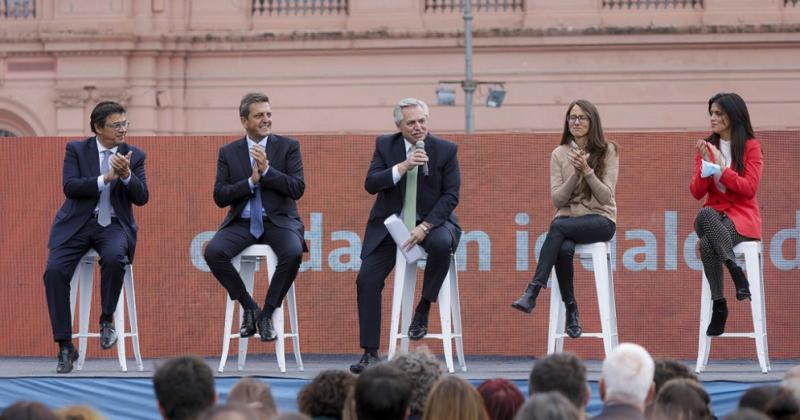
(120, 125)
(577, 118)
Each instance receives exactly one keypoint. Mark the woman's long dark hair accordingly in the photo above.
(739, 122)
(596, 144)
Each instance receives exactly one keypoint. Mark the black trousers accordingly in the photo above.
(717, 237)
(111, 245)
(559, 248)
(439, 244)
(234, 238)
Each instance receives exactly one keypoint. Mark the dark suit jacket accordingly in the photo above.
(437, 193)
(280, 187)
(619, 412)
(81, 169)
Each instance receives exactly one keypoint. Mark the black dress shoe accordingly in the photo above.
(266, 330)
(740, 280)
(573, 328)
(419, 327)
(719, 314)
(527, 301)
(248, 328)
(108, 335)
(66, 357)
(367, 360)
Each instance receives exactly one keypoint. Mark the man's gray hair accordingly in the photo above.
(628, 374)
(250, 99)
(791, 381)
(423, 369)
(405, 103)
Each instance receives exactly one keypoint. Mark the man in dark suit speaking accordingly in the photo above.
(259, 177)
(400, 165)
(102, 177)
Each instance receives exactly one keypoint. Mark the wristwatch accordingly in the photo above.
(425, 228)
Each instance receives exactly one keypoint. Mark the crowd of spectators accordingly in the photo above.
(632, 385)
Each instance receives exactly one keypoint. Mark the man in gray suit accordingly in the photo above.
(626, 385)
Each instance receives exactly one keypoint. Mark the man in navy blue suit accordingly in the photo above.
(259, 177)
(102, 177)
(397, 159)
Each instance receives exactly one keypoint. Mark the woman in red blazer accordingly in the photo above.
(727, 170)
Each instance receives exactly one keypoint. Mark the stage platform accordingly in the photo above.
(129, 395)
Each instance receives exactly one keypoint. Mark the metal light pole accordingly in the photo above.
(469, 84)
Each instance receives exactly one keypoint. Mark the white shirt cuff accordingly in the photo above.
(396, 174)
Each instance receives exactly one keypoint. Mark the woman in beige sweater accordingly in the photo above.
(583, 175)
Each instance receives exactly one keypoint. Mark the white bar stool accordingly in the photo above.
(600, 254)
(83, 279)
(754, 266)
(245, 264)
(405, 281)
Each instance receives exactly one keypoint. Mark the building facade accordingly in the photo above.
(338, 66)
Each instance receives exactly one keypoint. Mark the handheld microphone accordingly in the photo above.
(421, 145)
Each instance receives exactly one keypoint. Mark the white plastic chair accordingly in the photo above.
(83, 279)
(754, 266)
(245, 264)
(600, 254)
(405, 280)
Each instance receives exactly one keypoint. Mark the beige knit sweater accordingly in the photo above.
(564, 182)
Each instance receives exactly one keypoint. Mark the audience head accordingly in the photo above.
(561, 372)
(783, 406)
(184, 387)
(682, 399)
(27, 410)
(627, 376)
(78, 412)
(234, 411)
(254, 394)
(548, 406)
(747, 414)
(382, 392)
(325, 395)
(501, 398)
(758, 397)
(791, 381)
(453, 398)
(292, 416)
(668, 369)
(423, 370)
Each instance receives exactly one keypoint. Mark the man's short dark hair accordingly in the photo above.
(250, 99)
(184, 387)
(561, 372)
(382, 393)
(667, 369)
(101, 111)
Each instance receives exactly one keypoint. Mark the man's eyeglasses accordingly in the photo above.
(119, 125)
(577, 118)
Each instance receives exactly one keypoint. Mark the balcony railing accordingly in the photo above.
(299, 7)
(652, 4)
(446, 6)
(17, 9)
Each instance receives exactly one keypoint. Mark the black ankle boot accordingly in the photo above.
(527, 301)
(740, 280)
(573, 328)
(719, 314)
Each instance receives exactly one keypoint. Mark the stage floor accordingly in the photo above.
(265, 365)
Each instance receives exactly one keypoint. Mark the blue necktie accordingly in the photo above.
(104, 207)
(256, 221)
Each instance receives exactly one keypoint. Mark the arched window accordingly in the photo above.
(6, 133)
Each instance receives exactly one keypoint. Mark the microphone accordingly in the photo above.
(421, 145)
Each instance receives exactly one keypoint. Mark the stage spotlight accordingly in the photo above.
(445, 96)
(495, 98)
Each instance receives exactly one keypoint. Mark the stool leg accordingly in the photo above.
(226, 335)
(119, 322)
(600, 268)
(704, 341)
(295, 330)
(558, 319)
(397, 301)
(248, 268)
(455, 305)
(445, 314)
(87, 277)
(410, 280)
(612, 302)
(133, 319)
(753, 266)
(280, 343)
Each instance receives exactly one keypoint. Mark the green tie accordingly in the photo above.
(410, 203)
